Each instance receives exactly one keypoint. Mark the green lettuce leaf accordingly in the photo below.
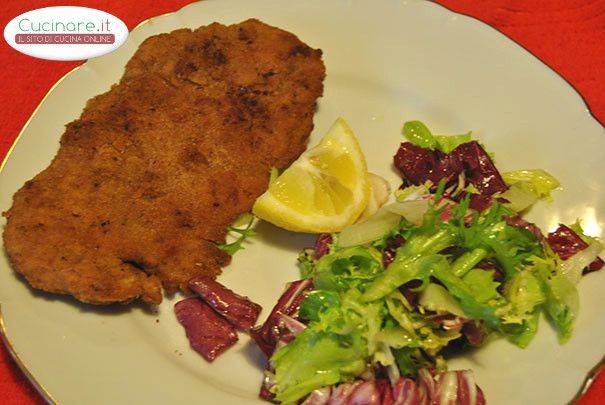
(466, 261)
(418, 134)
(306, 263)
(343, 333)
(525, 295)
(400, 272)
(399, 309)
(520, 196)
(314, 360)
(415, 259)
(433, 340)
(562, 304)
(318, 302)
(410, 360)
(522, 334)
(526, 187)
(577, 228)
(482, 285)
(438, 299)
(537, 181)
(524, 292)
(397, 337)
(465, 294)
(509, 245)
(347, 268)
(447, 143)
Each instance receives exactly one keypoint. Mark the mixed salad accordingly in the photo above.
(450, 263)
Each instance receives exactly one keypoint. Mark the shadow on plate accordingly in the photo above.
(112, 309)
(467, 352)
(282, 239)
(253, 355)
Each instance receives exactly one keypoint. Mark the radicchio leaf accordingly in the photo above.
(565, 243)
(479, 168)
(418, 165)
(384, 388)
(265, 388)
(209, 334)
(366, 393)
(388, 255)
(473, 331)
(322, 245)
(268, 334)
(239, 311)
(407, 392)
(318, 397)
(519, 222)
(450, 388)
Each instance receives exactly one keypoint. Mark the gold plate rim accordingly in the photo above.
(3, 330)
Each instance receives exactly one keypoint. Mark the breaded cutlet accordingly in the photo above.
(147, 180)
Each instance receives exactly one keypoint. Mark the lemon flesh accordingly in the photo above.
(325, 190)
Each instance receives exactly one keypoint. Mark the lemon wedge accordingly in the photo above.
(325, 190)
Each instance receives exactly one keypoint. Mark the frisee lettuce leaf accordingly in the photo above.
(242, 227)
(482, 285)
(346, 268)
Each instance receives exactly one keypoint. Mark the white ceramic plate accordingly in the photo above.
(387, 62)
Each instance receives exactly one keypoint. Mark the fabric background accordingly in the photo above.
(567, 35)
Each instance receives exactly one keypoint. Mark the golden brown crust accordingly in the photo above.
(147, 179)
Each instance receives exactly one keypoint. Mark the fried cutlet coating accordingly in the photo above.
(147, 179)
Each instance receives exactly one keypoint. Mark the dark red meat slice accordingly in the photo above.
(239, 311)
(565, 243)
(268, 334)
(209, 334)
